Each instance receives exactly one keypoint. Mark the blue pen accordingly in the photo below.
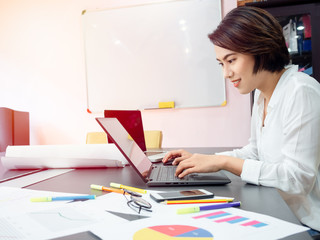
(63, 198)
(208, 207)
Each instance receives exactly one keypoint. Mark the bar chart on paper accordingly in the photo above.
(227, 217)
(172, 232)
(220, 224)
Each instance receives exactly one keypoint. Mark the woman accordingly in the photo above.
(284, 148)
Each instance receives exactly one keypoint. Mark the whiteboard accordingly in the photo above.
(138, 56)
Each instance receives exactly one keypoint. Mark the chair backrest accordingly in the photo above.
(96, 138)
(153, 138)
(6, 122)
(14, 128)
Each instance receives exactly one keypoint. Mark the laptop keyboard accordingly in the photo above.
(167, 174)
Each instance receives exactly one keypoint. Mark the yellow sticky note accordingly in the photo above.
(166, 104)
(224, 103)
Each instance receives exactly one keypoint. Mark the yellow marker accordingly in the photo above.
(133, 189)
(166, 104)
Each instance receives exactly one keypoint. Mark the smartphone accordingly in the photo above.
(181, 195)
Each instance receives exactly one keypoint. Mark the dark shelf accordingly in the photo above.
(283, 11)
(280, 3)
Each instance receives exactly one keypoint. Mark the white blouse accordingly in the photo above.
(285, 152)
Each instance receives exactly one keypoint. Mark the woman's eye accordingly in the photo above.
(231, 60)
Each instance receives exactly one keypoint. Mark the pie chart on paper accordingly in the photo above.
(172, 232)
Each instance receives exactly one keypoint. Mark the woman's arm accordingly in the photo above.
(192, 163)
(209, 163)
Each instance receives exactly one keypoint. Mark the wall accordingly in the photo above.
(42, 70)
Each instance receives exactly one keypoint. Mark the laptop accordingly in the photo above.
(131, 120)
(154, 174)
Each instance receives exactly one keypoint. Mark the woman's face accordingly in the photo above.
(238, 68)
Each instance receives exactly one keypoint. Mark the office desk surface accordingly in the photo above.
(6, 175)
(258, 199)
(253, 198)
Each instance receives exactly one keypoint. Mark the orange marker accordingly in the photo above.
(107, 189)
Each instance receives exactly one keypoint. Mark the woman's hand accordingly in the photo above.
(201, 163)
(177, 156)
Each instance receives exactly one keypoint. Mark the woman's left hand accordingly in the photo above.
(198, 163)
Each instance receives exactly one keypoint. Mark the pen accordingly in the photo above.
(208, 207)
(102, 188)
(133, 189)
(64, 198)
(195, 201)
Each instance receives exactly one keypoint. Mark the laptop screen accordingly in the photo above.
(129, 148)
(131, 120)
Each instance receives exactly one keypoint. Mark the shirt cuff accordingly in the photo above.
(251, 171)
(227, 153)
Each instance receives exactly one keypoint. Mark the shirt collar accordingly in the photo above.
(277, 93)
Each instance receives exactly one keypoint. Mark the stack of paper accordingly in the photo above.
(63, 156)
(22, 219)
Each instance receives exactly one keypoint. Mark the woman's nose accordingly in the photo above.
(227, 73)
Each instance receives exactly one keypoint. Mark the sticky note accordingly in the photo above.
(166, 104)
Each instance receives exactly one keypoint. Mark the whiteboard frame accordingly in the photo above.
(98, 93)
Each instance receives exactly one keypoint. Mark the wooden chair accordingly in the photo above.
(96, 138)
(153, 138)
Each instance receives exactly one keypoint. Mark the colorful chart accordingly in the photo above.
(172, 232)
(222, 216)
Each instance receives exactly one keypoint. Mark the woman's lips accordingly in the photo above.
(236, 82)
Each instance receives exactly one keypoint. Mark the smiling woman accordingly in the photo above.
(283, 150)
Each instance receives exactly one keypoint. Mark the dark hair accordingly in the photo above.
(253, 31)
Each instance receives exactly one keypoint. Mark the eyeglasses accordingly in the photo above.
(136, 202)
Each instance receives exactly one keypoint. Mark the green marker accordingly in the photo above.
(208, 207)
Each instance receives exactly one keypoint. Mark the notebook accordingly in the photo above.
(153, 174)
(131, 120)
